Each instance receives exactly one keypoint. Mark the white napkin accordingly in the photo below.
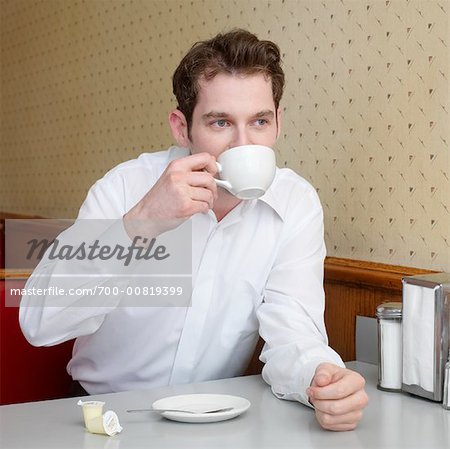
(418, 336)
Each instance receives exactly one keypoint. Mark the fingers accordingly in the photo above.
(341, 385)
(322, 378)
(201, 187)
(338, 397)
(198, 178)
(195, 162)
(202, 179)
(339, 423)
(204, 195)
(341, 414)
(356, 401)
(185, 188)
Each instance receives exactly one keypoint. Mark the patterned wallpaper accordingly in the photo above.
(86, 84)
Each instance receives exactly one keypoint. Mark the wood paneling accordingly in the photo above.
(354, 287)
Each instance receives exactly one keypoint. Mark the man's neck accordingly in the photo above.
(224, 204)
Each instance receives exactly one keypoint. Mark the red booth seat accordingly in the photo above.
(28, 373)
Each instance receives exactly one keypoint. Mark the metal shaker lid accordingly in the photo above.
(390, 310)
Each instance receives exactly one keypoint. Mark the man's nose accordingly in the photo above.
(241, 137)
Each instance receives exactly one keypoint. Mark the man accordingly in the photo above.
(257, 265)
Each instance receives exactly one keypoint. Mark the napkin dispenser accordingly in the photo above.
(426, 323)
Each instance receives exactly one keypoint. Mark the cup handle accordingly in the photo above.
(220, 182)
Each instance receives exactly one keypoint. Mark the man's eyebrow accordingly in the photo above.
(266, 113)
(215, 114)
(218, 114)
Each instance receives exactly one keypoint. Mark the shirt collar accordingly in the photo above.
(271, 197)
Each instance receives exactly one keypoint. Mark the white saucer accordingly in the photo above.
(202, 401)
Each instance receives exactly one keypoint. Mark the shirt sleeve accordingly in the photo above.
(47, 319)
(291, 315)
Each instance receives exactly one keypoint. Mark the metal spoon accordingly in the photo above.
(194, 412)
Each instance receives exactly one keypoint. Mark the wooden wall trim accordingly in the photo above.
(14, 274)
(346, 271)
(371, 274)
(10, 215)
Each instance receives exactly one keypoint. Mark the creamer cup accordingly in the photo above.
(108, 424)
(91, 410)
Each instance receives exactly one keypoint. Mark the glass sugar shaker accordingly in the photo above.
(446, 401)
(389, 318)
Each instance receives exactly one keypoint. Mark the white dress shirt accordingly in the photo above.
(259, 271)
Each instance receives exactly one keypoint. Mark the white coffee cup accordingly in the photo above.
(246, 171)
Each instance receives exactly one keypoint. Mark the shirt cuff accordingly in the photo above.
(296, 389)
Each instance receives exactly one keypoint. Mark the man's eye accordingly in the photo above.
(261, 122)
(220, 123)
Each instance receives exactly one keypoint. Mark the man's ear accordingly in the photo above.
(278, 122)
(179, 128)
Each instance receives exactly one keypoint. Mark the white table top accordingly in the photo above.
(392, 420)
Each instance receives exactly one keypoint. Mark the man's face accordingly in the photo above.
(233, 110)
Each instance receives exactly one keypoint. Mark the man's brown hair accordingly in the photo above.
(235, 52)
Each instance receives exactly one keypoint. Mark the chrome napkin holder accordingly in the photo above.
(430, 328)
